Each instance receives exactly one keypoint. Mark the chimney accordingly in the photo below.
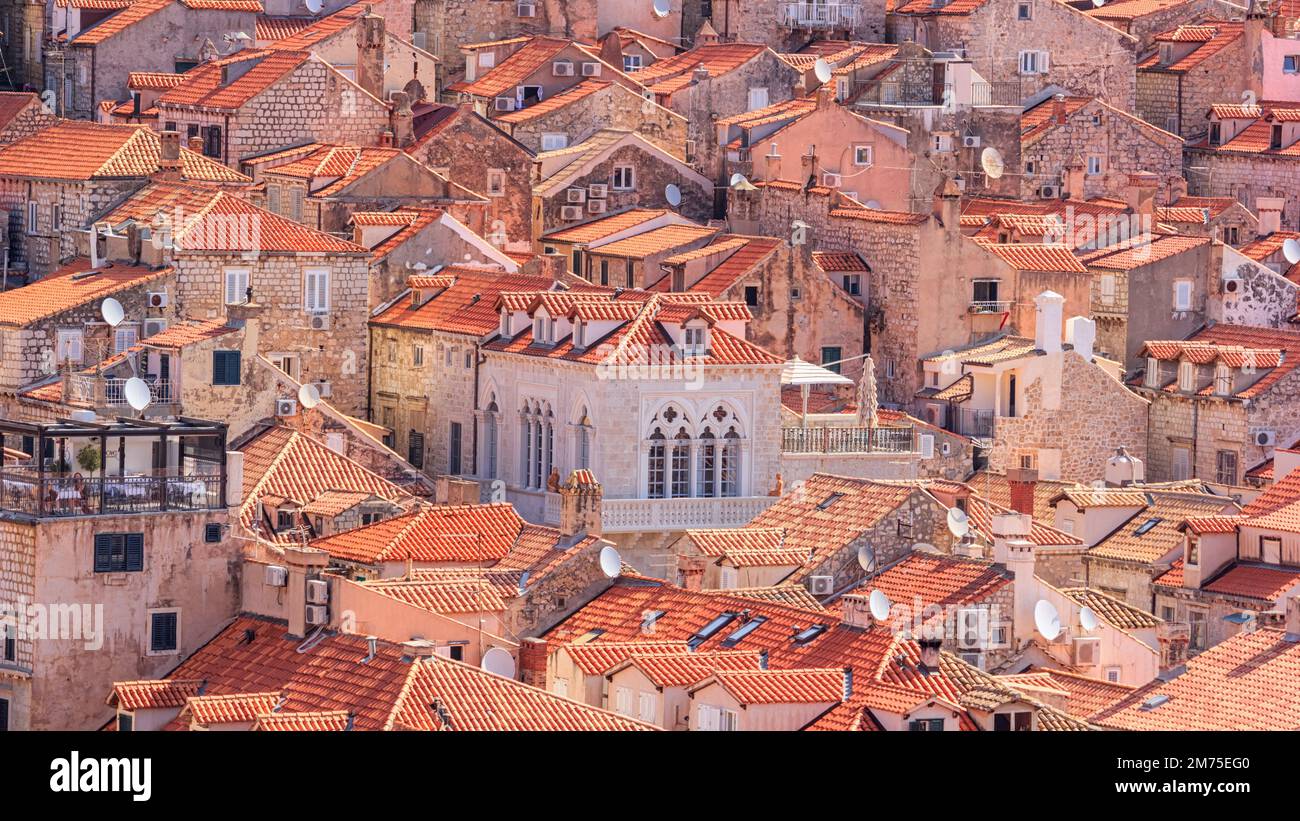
(196, 144)
(169, 156)
(825, 96)
(303, 563)
(1047, 321)
(1293, 618)
(1140, 195)
(707, 35)
(1014, 552)
(1253, 35)
(848, 684)
(930, 647)
(419, 648)
(1270, 214)
(402, 120)
(234, 478)
(1058, 109)
(762, 659)
(1123, 470)
(372, 649)
(533, 658)
(855, 611)
(1285, 462)
(580, 504)
(950, 208)
(692, 572)
(1022, 482)
(1081, 332)
(370, 54)
(1074, 178)
(700, 74)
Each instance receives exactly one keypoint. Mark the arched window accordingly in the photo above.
(706, 484)
(730, 464)
(548, 450)
(655, 486)
(681, 478)
(490, 437)
(583, 456)
(526, 450)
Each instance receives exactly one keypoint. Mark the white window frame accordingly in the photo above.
(69, 337)
(1028, 9)
(631, 62)
(33, 216)
(628, 175)
(496, 182)
(863, 155)
(1034, 61)
(647, 707)
(242, 277)
(124, 336)
(1186, 376)
(553, 139)
(1183, 295)
(623, 701)
(318, 303)
(1094, 165)
(759, 96)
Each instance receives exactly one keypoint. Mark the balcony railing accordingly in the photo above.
(978, 424)
(634, 515)
(25, 490)
(815, 15)
(848, 440)
(83, 387)
(989, 307)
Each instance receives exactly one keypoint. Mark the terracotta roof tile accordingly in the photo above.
(78, 150)
(314, 721)
(1120, 614)
(799, 686)
(465, 307)
(148, 695)
(1167, 511)
(604, 227)
(1213, 35)
(550, 105)
(71, 286)
(1037, 257)
(941, 580)
(232, 708)
(656, 241)
(187, 332)
(465, 595)
(1252, 581)
(256, 70)
(321, 29)
(277, 28)
(516, 68)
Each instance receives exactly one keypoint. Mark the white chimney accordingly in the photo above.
(1269, 210)
(1123, 469)
(1285, 462)
(1047, 322)
(855, 611)
(234, 478)
(1081, 332)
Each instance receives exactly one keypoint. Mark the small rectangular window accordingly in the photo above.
(119, 552)
(1291, 64)
(496, 183)
(862, 155)
(163, 631)
(225, 367)
(1024, 11)
(624, 178)
(751, 295)
(212, 532)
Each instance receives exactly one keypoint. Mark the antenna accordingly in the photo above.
(880, 605)
(309, 396)
(1291, 250)
(958, 522)
(610, 562)
(673, 194)
(1088, 619)
(112, 312)
(137, 393)
(1047, 620)
(822, 70)
(991, 160)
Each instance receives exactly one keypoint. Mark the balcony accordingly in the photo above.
(637, 515)
(848, 440)
(110, 391)
(98, 468)
(989, 307)
(977, 424)
(821, 16)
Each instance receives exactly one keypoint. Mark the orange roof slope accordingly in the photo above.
(207, 86)
(69, 287)
(79, 150)
(942, 580)
(1213, 35)
(516, 68)
(465, 306)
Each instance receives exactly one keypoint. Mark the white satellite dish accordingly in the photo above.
(1291, 250)
(1098, 3)
(1088, 619)
(309, 396)
(673, 194)
(112, 312)
(1046, 620)
(499, 661)
(874, 205)
(662, 8)
(880, 605)
(610, 562)
(958, 522)
(991, 160)
(737, 179)
(822, 70)
(137, 393)
(867, 558)
(313, 6)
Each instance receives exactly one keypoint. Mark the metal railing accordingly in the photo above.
(813, 15)
(979, 424)
(989, 307)
(848, 440)
(84, 387)
(24, 490)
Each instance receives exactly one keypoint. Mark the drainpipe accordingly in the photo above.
(478, 361)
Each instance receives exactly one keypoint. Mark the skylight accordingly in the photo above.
(807, 635)
(709, 629)
(1147, 525)
(742, 631)
(830, 500)
(1154, 702)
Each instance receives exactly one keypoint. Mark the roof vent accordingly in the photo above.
(1154, 702)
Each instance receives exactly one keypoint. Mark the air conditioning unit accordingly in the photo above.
(562, 68)
(505, 103)
(319, 322)
(318, 591)
(577, 195)
(154, 325)
(1231, 283)
(831, 180)
(571, 212)
(286, 407)
(276, 576)
(823, 585)
(526, 10)
(316, 614)
(970, 141)
(596, 206)
(1050, 192)
(1264, 438)
(598, 190)
(157, 299)
(1087, 651)
(591, 69)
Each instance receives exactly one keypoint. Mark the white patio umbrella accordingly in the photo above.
(867, 398)
(805, 375)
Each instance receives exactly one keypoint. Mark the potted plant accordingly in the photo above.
(88, 458)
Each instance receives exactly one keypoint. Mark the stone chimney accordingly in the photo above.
(1049, 309)
(930, 647)
(303, 564)
(534, 656)
(855, 611)
(370, 54)
(1081, 332)
(691, 569)
(195, 144)
(707, 35)
(1058, 109)
(1293, 618)
(949, 208)
(1074, 178)
(1140, 195)
(1022, 482)
(1012, 550)
(1253, 35)
(169, 156)
(419, 648)
(825, 97)
(1269, 210)
(580, 503)
(234, 479)
(1285, 462)
(401, 121)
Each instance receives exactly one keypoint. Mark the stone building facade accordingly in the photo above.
(24, 114)
(775, 24)
(609, 105)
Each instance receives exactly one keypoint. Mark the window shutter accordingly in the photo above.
(212, 532)
(103, 552)
(163, 632)
(135, 551)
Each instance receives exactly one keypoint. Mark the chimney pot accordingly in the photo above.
(533, 656)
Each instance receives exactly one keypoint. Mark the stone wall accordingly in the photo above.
(612, 107)
(762, 21)
(32, 118)
(1246, 178)
(1129, 582)
(42, 250)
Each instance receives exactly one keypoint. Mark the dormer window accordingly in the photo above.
(1153, 372)
(1166, 53)
(1276, 141)
(505, 323)
(539, 329)
(1186, 376)
(696, 340)
(579, 333)
(1215, 133)
(1222, 380)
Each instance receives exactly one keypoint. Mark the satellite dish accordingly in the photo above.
(673, 194)
(874, 205)
(867, 558)
(610, 562)
(662, 8)
(958, 522)
(112, 312)
(1046, 620)
(880, 605)
(1098, 3)
(1291, 250)
(309, 396)
(991, 159)
(737, 179)
(137, 393)
(499, 661)
(1088, 619)
(313, 6)
(822, 70)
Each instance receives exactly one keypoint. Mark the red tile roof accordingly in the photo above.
(664, 77)
(257, 70)
(315, 721)
(1037, 257)
(278, 28)
(835, 262)
(516, 68)
(1213, 35)
(1246, 682)
(466, 306)
(550, 105)
(185, 332)
(925, 8)
(313, 34)
(604, 227)
(1255, 582)
(799, 686)
(1037, 122)
(1129, 10)
(941, 580)
(79, 150)
(1255, 339)
(150, 695)
(234, 708)
(71, 286)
